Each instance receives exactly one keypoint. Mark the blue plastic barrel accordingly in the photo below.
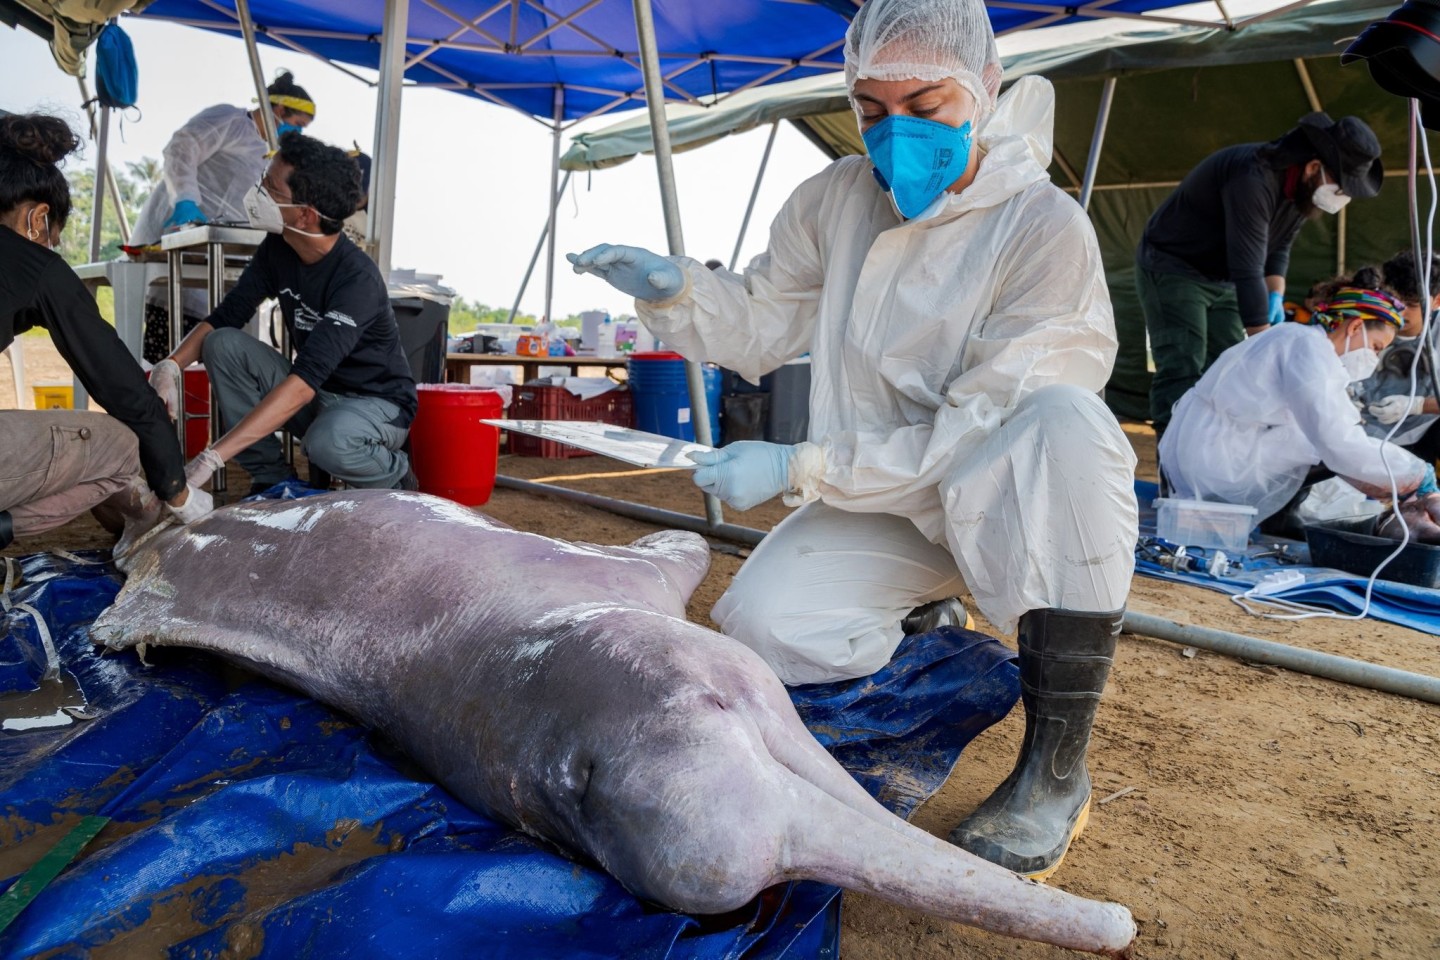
(662, 399)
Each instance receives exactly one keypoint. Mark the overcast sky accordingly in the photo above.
(473, 176)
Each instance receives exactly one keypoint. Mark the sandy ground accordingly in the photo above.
(1244, 811)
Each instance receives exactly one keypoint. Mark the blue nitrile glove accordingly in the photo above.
(1277, 307)
(633, 270)
(1427, 483)
(744, 474)
(186, 212)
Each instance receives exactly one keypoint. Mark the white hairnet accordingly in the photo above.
(925, 40)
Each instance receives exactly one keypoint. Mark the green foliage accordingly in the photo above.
(466, 315)
(135, 183)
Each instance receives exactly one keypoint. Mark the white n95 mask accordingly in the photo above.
(262, 211)
(1361, 362)
(1327, 197)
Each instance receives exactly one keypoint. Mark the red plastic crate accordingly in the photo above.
(544, 402)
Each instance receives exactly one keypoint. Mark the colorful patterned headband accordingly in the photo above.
(294, 103)
(1358, 303)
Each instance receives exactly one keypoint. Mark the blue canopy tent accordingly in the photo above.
(568, 60)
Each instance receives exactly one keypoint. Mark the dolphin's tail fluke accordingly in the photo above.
(835, 843)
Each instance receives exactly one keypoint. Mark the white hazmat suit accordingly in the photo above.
(955, 426)
(1269, 409)
(212, 161)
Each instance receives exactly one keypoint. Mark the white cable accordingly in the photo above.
(1301, 611)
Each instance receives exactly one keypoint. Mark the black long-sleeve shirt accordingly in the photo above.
(339, 317)
(1229, 221)
(38, 289)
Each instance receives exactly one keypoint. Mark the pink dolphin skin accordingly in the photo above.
(558, 688)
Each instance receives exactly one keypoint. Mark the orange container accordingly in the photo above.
(531, 345)
(452, 453)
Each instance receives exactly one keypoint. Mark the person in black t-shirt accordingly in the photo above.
(59, 463)
(349, 391)
(1212, 261)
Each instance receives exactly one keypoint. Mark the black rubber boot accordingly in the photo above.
(1027, 824)
(7, 529)
(949, 612)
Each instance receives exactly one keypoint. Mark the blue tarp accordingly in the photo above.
(503, 52)
(247, 815)
(1400, 603)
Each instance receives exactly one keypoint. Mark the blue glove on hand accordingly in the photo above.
(633, 270)
(1427, 483)
(186, 212)
(744, 474)
(1277, 307)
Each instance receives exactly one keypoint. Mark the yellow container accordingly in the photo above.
(54, 396)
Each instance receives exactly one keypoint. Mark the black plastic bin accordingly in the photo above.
(1350, 545)
(424, 330)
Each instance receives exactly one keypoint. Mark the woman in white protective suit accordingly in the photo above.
(954, 306)
(210, 163)
(1275, 406)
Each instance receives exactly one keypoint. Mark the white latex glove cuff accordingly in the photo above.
(199, 470)
(807, 466)
(196, 505)
(167, 381)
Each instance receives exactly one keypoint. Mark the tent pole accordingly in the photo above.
(102, 166)
(1340, 240)
(111, 184)
(1097, 142)
(755, 192)
(247, 28)
(1308, 84)
(387, 133)
(660, 136)
(539, 245)
(1422, 267)
(554, 203)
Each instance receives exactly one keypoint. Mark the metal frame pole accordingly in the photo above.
(252, 50)
(111, 184)
(387, 132)
(539, 245)
(754, 193)
(554, 204)
(97, 208)
(1097, 142)
(660, 137)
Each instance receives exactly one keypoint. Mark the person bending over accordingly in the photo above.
(60, 463)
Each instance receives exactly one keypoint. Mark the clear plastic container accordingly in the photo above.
(1203, 523)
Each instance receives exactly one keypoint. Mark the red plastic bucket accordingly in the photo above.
(196, 384)
(452, 453)
(197, 402)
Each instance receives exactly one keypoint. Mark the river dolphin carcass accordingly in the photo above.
(558, 688)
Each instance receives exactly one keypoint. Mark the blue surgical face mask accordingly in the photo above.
(285, 128)
(916, 159)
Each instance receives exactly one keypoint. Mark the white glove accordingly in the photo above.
(1395, 407)
(199, 471)
(196, 505)
(165, 379)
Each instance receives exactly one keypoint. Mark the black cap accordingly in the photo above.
(1403, 54)
(1350, 151)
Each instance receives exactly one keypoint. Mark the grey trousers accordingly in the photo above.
(350, 437)
(59, 463)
